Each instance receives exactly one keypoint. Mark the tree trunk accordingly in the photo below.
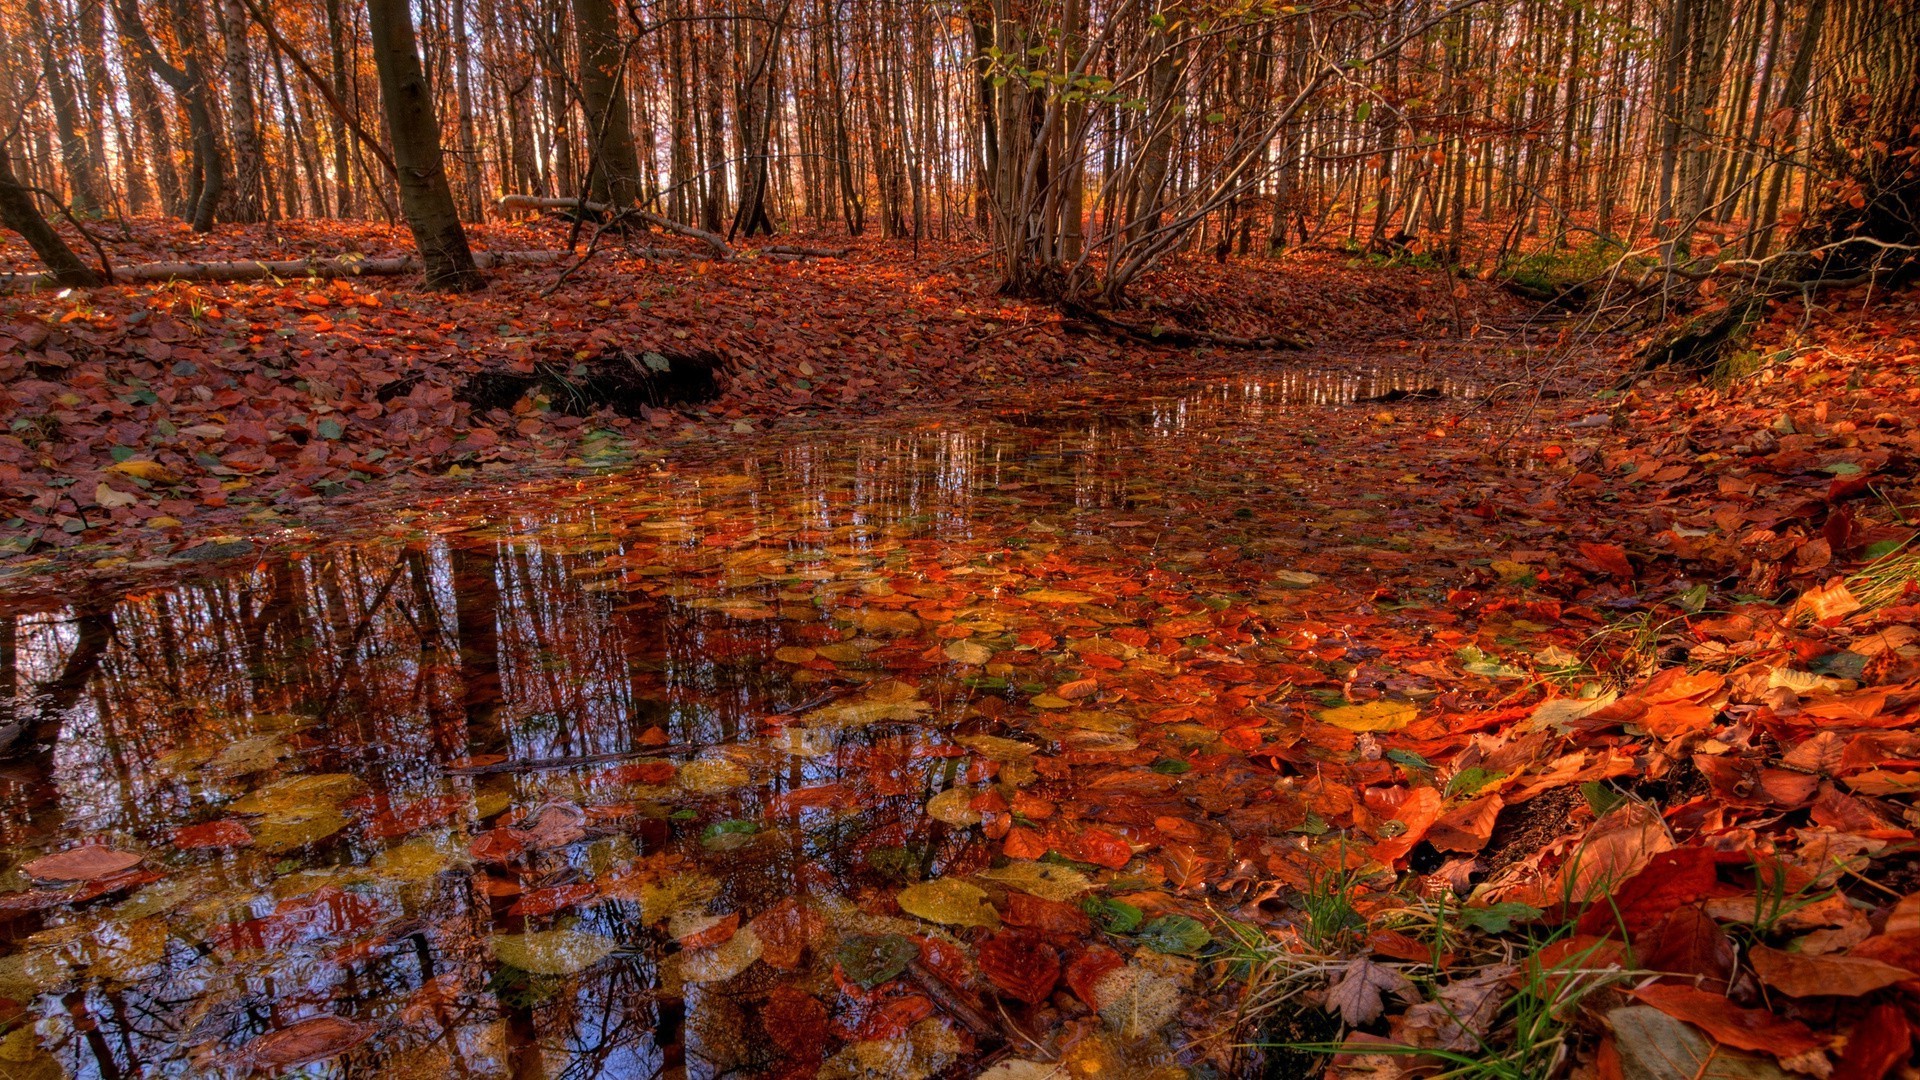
(18, 212)
(603, 97)
(246, 196)
(425, 198)
(189, 84)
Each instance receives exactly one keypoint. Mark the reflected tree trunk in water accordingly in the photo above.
(9, 669)
(477, 627)
(58, 695)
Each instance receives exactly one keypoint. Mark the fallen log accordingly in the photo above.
(806, 252)
(256, 269)
(714, 241)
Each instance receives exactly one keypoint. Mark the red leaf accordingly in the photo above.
(548, 901)
(414, 816)
(1088, 968)
(225, 833)
(1879, 1042)
(1800, 975)
(795, 1022)
(1048, 917)
(1744, 1029)
(499, 845)
(1669, 879)
(1020, 964)
(1101, 848)
(1611, 558)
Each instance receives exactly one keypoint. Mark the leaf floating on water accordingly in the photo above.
(552, 952)
(1047, 881)
(89, 862)
(296, 792)
(1021, 965)
(709, 775)
(954, 806)
(661, 900)
(995, 748)
(968, 652)
(224, 833)
(1057, 596)
(854, 714)
(308, 1041)
(793, 654)
(950, 902)
(297, 828)
(1381, 715)
(871, 959)
(718, 963)
(735, 608)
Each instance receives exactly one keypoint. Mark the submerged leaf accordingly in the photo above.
(552, 952)
(949, 901)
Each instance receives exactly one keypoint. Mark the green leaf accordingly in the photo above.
(1114, 916)
(1175, 934)
(1171, 767)
(1470, 781)
(329, 429)
(1365, 111)
(1499, 918)
(871, 959)
(1409, 759)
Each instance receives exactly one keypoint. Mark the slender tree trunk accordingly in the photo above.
(425, 198)
(603, 97)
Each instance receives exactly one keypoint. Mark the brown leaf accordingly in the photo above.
(308, 1041)
(1356, 993)
(1746, 1029)
(1466, 828)
(85, 863)
(1816, 976)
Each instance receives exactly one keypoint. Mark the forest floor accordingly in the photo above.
(1446, 703)
(242, 407)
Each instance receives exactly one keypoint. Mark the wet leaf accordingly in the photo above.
(871, 959)
(1021, 965)
(88, 862)
(552, 952)
(1136, 1000)
(953, 807)
(718, 963)
(950, 902)
(1381, 715)
(1180, 934)
(1048, 881)
(305, 1042)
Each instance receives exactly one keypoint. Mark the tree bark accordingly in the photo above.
(425, 198)
(18, 212)
(603, 97)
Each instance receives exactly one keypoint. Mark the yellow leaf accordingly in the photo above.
(1056, 596)
(968, 652)
(1382, 715)
(1048, 881)
(111, 499)
(793, 654)
(949, 902)
(151, 471)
